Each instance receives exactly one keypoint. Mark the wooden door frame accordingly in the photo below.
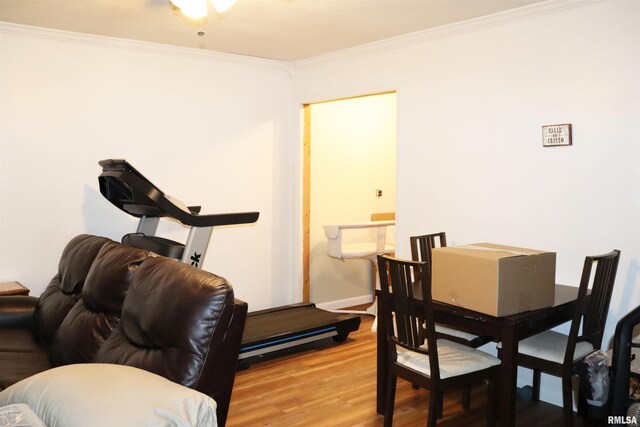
(306, 203)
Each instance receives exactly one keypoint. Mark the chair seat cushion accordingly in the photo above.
(440, 329)
(454, 359)
(552, 345)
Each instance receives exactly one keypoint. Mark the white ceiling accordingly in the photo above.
(278, 29)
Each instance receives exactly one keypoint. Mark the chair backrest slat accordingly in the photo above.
(421, 246)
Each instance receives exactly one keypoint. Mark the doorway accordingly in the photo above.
(349, 173)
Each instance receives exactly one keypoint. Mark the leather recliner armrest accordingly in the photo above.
(16, 311)
(224, 360)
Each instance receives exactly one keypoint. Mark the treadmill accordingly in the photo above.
(266, 331)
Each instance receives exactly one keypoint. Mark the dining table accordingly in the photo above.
(508, 330)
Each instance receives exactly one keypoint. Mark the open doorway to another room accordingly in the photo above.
(349, 175)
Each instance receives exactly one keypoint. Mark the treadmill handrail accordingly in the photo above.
(136, 183)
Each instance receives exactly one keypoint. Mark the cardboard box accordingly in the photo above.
(494, 279)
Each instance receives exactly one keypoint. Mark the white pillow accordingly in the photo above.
(96, 395)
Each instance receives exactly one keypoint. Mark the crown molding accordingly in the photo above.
(468, 26)
(471, 25)
(19, 30)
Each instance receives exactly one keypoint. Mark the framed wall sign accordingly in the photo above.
(556, 135)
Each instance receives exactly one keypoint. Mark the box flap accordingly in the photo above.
(490, 250)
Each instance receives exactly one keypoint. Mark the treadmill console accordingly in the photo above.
(133, 193)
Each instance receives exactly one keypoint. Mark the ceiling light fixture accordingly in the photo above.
(197, 9)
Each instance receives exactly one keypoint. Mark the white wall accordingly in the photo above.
(209, 129)
(472, 98)
(353, 153)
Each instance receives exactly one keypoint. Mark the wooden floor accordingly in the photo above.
(329, 384)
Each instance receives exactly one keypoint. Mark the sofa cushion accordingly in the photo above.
(63, 291)
(169, 320)
(16, 366)
(110, 276)
(99, 395)
(97, 313)
(19, 341)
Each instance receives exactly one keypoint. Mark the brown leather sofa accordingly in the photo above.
(112, 303)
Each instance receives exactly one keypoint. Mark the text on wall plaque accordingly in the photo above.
(556, 135)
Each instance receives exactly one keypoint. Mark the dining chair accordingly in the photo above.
(421, 247)
(415, 353)
(558, 354)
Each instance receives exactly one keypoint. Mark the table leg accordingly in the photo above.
(508, 378)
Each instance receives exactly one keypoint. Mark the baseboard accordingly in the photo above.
(347, 302)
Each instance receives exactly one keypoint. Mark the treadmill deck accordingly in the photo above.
(288, 326)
